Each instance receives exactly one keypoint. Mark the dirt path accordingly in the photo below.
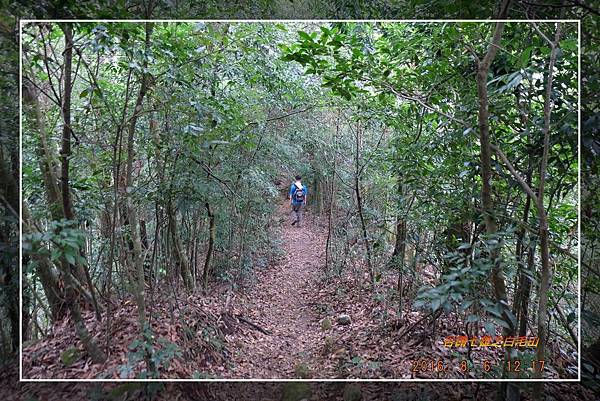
(282, 302)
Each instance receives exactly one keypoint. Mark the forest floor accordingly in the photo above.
(285, 322)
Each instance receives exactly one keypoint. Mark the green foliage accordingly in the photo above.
(326, 324)
(65, 240)
(69, 356)
(156, 353)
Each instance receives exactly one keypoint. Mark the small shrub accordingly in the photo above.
(69, 356)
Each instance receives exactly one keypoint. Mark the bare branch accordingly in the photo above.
(543, 35)
(515, 174)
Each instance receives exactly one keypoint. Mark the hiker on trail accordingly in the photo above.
(297, 196)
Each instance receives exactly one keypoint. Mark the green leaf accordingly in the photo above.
(304, 36)
(525, 56)
(465, 305)
(490, 328)
(472, 318)
(70, 258)
(419, 303)
(501, 322)
(569, 44)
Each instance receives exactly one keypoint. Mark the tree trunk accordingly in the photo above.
(182, 261)
(56, 201)
(71, 298)
(46, 156)
(331, 196)
(524, 304)
(485, 156)
(9, 190)
(211, 244)
(137, 268)
(65, 152)
(26, 314)
(544, 246)
(523, 276)
(10, 292)
(71, 294)
(497, 276)
(359, 205)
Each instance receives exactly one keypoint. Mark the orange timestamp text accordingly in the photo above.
(464, 366)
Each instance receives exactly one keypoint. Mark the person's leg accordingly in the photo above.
(299, 213)
(294, 214)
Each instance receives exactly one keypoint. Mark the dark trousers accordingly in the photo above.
(297, 212)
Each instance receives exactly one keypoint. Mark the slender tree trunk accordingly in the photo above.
(9, 189)
(114, 214)
(211, 243)
(523, 276)
(544, 235)
(106, 229)
(520, 253)
(331, 195)
(399, 254)
(137, 273)
(26, 316)
(359, 205)
(9, 291)
(182, 261)
(81, 271)
(486, 158)
(46, 156)
(71, 295)
(524, 305)
(497, 275)
(160, 169)
(330, 220)
(543, 218)
(143, 234)
(94, 351)
(52, 191)
(65, 153)
(9, 201)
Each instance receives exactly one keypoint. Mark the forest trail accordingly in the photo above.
(282, 303)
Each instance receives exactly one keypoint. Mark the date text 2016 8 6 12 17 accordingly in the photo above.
(464, 366)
